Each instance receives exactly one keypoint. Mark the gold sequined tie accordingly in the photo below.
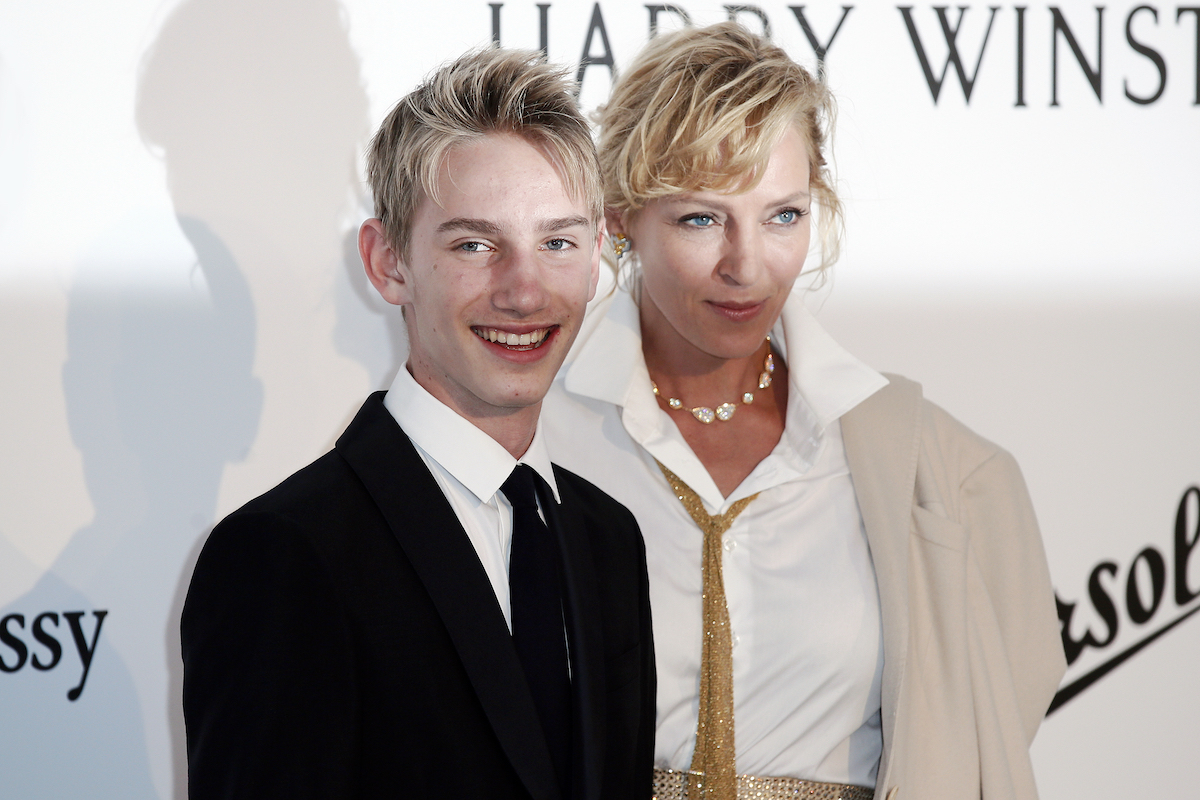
(713, 773)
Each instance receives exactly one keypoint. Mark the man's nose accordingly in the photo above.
(520, 284)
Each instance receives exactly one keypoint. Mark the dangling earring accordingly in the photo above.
(620, 244)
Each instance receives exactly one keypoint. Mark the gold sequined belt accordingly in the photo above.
(671, 784)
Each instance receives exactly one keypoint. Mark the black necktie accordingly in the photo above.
(535, 590)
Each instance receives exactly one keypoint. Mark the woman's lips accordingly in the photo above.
(737, 312)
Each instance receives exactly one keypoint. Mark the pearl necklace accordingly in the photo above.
(723, 412)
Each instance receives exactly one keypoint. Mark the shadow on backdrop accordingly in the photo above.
(159, 397)
(257, 108)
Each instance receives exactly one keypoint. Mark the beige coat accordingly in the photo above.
(972, 652)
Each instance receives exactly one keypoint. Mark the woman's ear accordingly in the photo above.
(615, 220)
(385, 269)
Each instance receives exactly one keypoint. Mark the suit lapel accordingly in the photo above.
(882, 437)
(581, 602)
(441, 554)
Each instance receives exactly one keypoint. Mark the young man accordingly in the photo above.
(366, 629)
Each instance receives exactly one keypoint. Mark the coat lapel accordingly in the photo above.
(437, 546)
(581, 602)
(882, 437)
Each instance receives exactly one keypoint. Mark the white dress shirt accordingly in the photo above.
(799, 581)
(470, 467)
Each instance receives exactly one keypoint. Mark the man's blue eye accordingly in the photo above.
(557, 244)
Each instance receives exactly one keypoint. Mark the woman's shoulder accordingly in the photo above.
(902, 403)
(898, 425)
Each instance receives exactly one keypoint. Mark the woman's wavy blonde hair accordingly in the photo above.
(701, 109)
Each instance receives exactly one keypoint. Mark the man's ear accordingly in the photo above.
(385, 269)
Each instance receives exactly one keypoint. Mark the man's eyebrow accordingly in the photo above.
(480, 226)
(484, 227)
(558, 224)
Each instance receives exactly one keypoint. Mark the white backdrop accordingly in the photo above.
(184, 322)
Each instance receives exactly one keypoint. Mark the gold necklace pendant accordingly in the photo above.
(725, 411)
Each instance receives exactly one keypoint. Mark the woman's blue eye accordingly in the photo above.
(699, 220)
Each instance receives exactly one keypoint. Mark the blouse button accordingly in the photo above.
(730, 544)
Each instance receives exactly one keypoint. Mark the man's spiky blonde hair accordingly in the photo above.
(483, 92)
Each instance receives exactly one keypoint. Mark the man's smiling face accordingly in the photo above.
(496, 278)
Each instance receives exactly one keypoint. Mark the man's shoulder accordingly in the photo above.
(326, 481)
(587, 496)
(611, 526)
(334, 483)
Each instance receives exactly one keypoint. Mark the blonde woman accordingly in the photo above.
(849, 590)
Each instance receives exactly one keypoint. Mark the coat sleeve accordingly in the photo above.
(1009, 565)
(990, 607)
(268, 691)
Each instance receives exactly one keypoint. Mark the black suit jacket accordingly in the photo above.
(342, 640)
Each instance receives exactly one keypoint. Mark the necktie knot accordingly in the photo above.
(519, 487)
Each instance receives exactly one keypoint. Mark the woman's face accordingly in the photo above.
(717, 267)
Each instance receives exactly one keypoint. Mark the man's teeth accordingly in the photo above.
(512, 339)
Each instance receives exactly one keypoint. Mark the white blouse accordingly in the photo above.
(799, 581)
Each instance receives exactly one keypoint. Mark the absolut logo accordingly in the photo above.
(40, 647)
(1144, 36)
(1157, 594)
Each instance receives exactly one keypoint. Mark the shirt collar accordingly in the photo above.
(824, 382)
(608, 365)
(476, 460)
